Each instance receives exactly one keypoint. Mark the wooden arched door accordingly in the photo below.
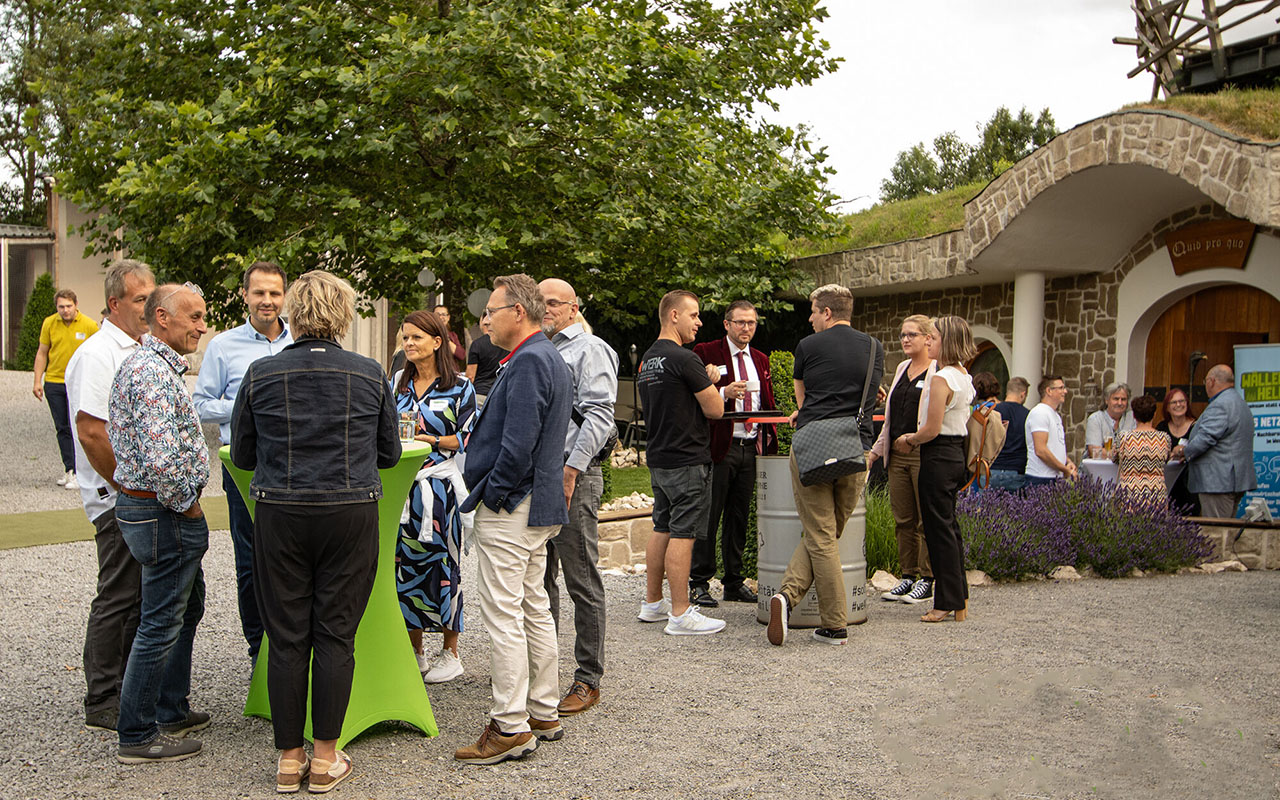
(1211, 321)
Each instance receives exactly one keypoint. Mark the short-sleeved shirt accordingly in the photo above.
(1013, 456)
(439, 412)
(955, 417)
(677, 433)
(486, 356)
(63, 340)
(1044, 419)
(89, 376)
(1100, 428)
(833, 366)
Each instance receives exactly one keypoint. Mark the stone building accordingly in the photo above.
(1112, 253)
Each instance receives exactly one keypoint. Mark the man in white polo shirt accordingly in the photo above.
(1046, 437)
(113, 615)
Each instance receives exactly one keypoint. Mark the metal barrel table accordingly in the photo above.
(386, 684)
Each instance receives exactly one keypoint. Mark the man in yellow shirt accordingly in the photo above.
(60, 335)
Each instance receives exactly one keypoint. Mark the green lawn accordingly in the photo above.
(626, 481)
(56, 527)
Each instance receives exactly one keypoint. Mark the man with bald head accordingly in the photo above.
(591, 436)
(1219, 448)
(162, 466)
(113, 614)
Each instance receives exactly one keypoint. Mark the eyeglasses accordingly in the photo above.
(744, 323)
(489, 312)
(554, 303)
(189, 286)
(909, 335)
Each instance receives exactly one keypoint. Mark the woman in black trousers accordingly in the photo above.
(315, 423)
(943, 471)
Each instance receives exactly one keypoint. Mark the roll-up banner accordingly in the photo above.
(1258, 379)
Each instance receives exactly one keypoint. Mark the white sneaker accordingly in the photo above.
(423, 664)
(444, 667)
(692, 623)
(655, 612)
(71, 482)
(62, 479)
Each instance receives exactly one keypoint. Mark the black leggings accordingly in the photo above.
(942, 473)
(313, 571)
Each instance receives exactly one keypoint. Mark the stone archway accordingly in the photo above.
(1151, 288)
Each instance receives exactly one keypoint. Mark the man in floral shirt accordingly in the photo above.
(162, 465)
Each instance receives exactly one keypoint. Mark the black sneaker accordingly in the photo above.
(922, 591)
(831, 635)
(162, 748)
(900, 591)
(195, 721)
(104, 720)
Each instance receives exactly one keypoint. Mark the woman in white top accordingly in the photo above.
(942, 440)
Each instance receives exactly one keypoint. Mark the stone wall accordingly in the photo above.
(624, 536)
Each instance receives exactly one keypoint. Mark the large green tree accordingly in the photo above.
(615, 143)
(1002, 141)
(27, 43)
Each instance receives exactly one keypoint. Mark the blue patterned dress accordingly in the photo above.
(428, 573)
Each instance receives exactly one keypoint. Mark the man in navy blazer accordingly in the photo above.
(734, 446)
(515, 470)
(1219, 450)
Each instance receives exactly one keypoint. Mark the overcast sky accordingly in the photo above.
(914, 69)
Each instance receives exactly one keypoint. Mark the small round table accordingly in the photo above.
(386, 684)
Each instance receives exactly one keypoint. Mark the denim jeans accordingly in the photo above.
(242, 544)
(576, 551)
(157, 679)
(1007, 479)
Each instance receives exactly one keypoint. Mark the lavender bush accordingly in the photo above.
(1080, 523)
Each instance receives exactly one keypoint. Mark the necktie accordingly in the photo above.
(746, 397)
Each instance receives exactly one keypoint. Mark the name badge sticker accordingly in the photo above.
(80, 335)
(920, 383)
(439, 404)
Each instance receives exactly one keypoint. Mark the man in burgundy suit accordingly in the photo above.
(734, 446)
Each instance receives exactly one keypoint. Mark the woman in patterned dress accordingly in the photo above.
(1142, 453)
(429, 550)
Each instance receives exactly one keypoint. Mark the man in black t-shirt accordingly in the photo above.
(830, 375)
(483, 358)
(678, 397)
(1009, 470)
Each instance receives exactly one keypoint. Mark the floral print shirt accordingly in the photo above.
(153, 427)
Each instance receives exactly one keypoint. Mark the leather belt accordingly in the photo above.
(138, 493)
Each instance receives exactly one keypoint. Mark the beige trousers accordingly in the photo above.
(512, 559)
(904, 499)
(823, 509)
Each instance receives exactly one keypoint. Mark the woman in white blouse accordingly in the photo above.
(941, 440)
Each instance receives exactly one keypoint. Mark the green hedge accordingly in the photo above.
(39, 306)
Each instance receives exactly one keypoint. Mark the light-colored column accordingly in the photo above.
(1028, 330)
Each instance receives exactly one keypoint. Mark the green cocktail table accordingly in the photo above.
(386, 684)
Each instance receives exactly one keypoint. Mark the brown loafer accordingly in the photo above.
(579, 699)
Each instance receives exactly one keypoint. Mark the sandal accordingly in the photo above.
(327, 774)
(938, 615)
(289, 774)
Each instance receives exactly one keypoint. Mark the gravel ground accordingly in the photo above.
(29, 460)
(1156, 687)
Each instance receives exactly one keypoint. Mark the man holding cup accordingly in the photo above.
(746, 385)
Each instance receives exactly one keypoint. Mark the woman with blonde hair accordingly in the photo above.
(941, 440)
(904, 413)
(315, 423)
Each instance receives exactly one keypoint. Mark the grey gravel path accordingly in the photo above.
(29, 461)
(1162, 687)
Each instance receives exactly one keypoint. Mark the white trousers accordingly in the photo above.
(512, 558)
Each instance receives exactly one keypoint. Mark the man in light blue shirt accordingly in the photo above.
(228, 356)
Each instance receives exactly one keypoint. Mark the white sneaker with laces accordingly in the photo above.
(71, 482)
(444, 667)
(692, 623)
(62, 479)
(655, 612)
